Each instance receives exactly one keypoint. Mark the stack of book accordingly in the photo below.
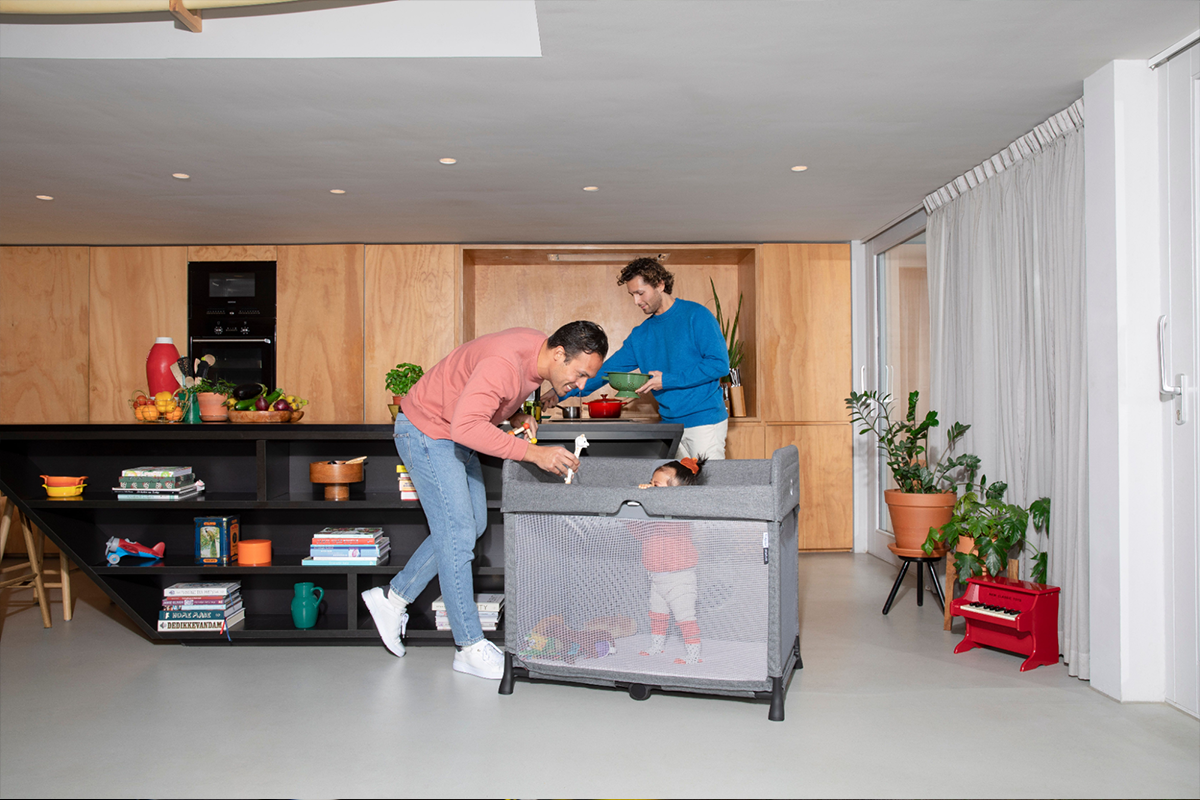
(490, 607)
(158, 483)
(200, 607)
(348, 547)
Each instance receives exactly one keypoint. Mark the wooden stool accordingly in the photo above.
(30, 571)
(922, 560)
(62, 572)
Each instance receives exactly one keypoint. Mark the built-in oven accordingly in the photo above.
(231, 316)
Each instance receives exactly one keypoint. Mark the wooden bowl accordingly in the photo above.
(263, 416)
(337, 477)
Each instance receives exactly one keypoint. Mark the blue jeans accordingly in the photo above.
(449, 481)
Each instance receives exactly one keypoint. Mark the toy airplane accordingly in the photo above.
(115, 549)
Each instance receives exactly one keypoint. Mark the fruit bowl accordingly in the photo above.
(264, 416)
(64, 491)
(626, 382)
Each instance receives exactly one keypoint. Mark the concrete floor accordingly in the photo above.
(882, 708)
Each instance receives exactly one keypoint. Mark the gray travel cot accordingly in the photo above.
(578, 579)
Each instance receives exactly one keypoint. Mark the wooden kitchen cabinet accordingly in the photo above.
(136, 294)
(745, 439)
(409, 305)
(320, 329)
(804, 337)
(826, 482)
(43, 334)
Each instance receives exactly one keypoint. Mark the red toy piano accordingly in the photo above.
(1017, 616)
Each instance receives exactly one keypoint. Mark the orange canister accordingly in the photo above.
(254, 553)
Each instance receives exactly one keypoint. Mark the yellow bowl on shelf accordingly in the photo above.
(64, 491)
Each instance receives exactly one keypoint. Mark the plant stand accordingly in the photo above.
(922, 560)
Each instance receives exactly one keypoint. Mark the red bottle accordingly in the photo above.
(158, 366)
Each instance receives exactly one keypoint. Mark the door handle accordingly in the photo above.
(1178, 392)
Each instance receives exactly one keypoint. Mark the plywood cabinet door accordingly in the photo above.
(43, 335)
(320, 328)
(804, 332)
(745, 440)
(136, 295)
(826, 482)
(409, 311)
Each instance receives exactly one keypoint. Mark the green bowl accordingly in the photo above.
(626, 382)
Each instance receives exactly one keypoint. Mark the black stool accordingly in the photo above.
(908, 557)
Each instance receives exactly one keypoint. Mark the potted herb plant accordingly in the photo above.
(212, 395)
(986, 532)
(401, 378)
(737, 397)
(926, 496)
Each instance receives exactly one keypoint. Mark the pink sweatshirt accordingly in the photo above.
(475, 388)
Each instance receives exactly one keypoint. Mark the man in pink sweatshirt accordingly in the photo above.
(450, 416)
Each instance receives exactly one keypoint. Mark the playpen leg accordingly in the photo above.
(506, 682)
(796, 650)
(776, 712)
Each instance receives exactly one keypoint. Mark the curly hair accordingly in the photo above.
(649, 270)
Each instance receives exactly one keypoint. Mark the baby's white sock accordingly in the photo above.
(658, 643)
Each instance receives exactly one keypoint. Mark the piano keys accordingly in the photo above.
(1017, 616)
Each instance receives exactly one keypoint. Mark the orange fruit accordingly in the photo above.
(175, 413)
(150, 414)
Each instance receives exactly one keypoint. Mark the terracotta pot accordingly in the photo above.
(396, 398)
(212, 407)
(914, 514)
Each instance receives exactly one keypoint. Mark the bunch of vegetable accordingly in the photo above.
(257, 397)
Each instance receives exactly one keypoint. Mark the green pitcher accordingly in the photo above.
(304, 604)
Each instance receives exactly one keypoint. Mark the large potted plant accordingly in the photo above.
(737, 397)
(925, 495)
(986, 532)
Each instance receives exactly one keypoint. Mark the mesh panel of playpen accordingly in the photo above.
(585, 588)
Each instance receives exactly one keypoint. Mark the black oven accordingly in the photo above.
(231, 315)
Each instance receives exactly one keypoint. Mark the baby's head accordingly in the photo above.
(684, 472)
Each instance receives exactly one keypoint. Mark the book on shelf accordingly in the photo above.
(370, 533)
(224, 613)
(201, 625)
(484, 602)
(348, 542)
(203, 589)
(187, 493)
(133, 483)
(351, 550)
(310, 561)
(155, 472)
(201, 603)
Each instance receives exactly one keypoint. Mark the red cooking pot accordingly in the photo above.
(604, 407)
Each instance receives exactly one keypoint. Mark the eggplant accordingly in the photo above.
(248, 391)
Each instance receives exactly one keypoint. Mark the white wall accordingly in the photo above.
(1125, 416)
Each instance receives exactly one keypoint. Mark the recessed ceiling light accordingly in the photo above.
(337, 191)
(183, 176)
(44, 197)
(448, 160)
(591, 188)
(799, 168)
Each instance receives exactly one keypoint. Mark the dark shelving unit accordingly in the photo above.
(260, 474)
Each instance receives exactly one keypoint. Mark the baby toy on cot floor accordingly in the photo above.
(551, 638)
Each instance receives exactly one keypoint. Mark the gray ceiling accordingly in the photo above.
(687, 113)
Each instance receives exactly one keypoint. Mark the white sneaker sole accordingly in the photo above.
(375, 604)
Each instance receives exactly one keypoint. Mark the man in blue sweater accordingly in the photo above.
(681, 348)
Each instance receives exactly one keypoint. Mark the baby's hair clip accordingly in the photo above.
(691, 464)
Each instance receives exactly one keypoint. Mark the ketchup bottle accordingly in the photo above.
(158, 366)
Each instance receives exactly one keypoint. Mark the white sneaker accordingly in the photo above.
(482, 659)
(389, 621)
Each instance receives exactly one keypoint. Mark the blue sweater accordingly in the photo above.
(686, 345)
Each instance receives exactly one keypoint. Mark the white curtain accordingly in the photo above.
(1007, 331)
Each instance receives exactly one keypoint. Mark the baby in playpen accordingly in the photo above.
(670, 556)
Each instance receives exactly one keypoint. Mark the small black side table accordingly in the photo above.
(922, 560)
